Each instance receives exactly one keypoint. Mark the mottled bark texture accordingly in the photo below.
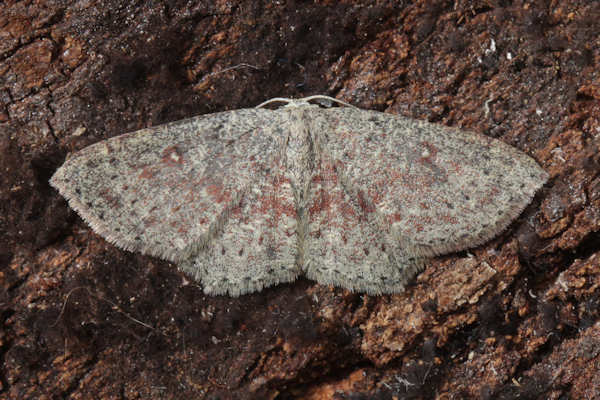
(518, 316)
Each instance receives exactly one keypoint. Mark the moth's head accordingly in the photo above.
(297, 103)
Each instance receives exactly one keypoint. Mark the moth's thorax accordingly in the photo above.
(299, 151)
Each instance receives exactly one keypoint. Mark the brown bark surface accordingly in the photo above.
(516, 317)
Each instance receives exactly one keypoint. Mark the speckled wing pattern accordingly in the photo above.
(245, 199)
(201, 192)
(393, 191)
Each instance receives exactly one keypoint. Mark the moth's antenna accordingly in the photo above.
(275, 99)
(305, 100)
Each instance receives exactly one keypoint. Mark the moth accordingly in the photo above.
(244, 199)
